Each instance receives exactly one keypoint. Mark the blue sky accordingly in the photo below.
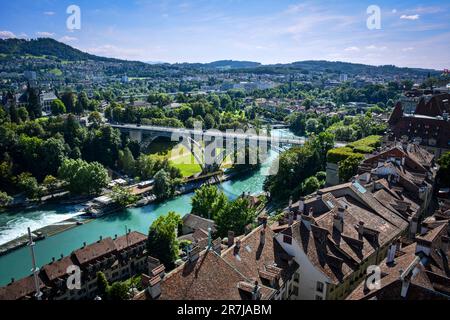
(413, 33)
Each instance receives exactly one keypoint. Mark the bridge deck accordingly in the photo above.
(179, 132)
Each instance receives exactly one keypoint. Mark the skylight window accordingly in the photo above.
(359, 187)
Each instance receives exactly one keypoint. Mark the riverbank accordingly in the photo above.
(62, 226)
(41, 234)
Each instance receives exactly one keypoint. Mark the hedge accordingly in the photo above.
(357, 148)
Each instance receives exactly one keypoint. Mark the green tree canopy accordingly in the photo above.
(208, 201)
(162, 238)
(84, 177)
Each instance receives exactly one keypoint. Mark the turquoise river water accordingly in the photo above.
(17, 264)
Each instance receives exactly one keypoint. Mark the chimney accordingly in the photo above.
(230, 238)
(153, 285)
(194, 254)
(101, 238)
(290, 203)
(391, 253)
(291, 218)
(311, 211)
(361, 230)
(413, 225)
(84, 244)
(209, 239)
(256, 294)
(262, 237)
(301, 205)
(53, 259)
(338, 223)
(405, 284)
(115, 237)
(217, 246)
(341, 211)
(62, 256)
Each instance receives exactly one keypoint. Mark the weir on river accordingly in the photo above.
(17, 264)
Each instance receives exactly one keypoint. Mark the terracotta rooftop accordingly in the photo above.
(259, 261)
(427, 274)
(94, 251)
(208, 278)
(57, 269)
(129, 240)
(195, 222)
(19, 289)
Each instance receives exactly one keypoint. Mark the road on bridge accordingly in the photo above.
(179, 132)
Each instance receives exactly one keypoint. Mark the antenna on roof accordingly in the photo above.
(35, 270)
(126, 235)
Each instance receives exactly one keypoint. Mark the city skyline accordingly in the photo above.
(412, 34)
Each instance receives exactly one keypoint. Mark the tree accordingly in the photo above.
(443, 175)
(210, 123)
(84, 177)
(208, 201)
(163, 185)
(50, 183)
(58, 107)
(5, 199)
(235, 217)
(294, 166)
(95, 119)
(52, 153)
(29, 185)
(162, 238)
(184, 113)
(118, 291)
(310, 185)
(102, 284)
(69, 99)
(126, 161)
(123, 196)
(349, 167)
(312, 125)
(22, 113)
(34, 105)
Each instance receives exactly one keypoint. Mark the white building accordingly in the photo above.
(46, 99)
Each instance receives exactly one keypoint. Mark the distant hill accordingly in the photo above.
(47, 47)
(52, 48)
(231, 64)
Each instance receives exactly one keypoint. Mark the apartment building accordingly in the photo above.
(118, 258)
(413, 271)
(335, 234)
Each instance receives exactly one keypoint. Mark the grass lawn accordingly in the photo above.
(182, 159)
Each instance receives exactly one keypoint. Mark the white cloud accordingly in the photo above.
(67, 39)
(407, 49)
(410, 17)
(7, 35)
(394, 10)
(49, 13)
(375, 48)
(352, 49)
(44, 34)
(113, 51)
